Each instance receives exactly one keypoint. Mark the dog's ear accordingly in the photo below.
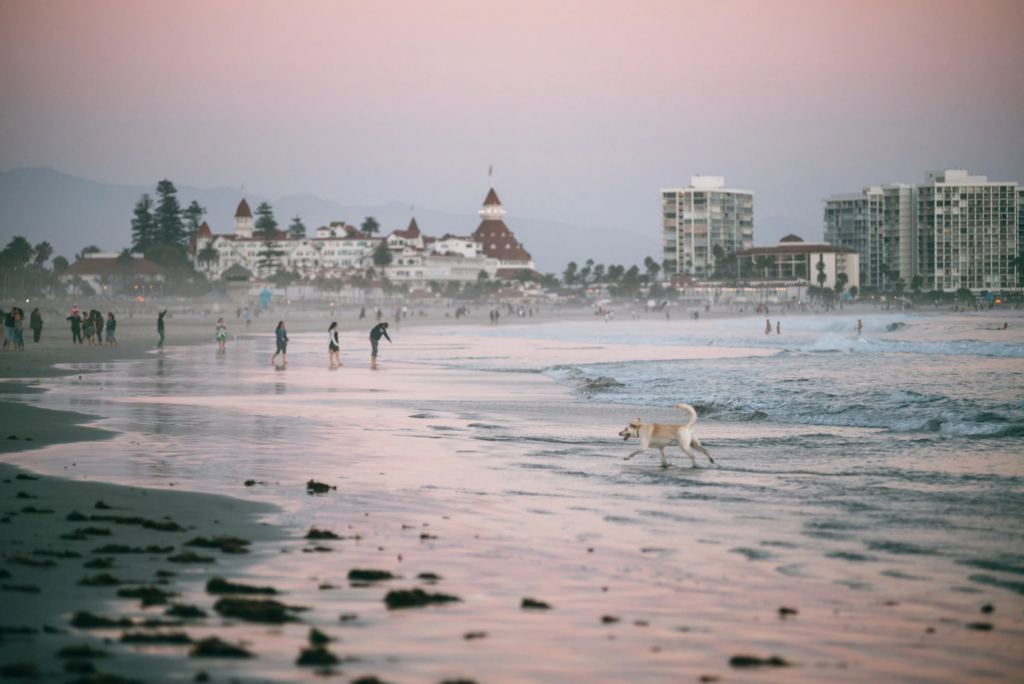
(638, 421)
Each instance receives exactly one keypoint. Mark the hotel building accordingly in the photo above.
(696, 219)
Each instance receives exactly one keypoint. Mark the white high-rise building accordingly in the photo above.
(697, 219)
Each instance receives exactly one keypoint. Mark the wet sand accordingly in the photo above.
(477, 477)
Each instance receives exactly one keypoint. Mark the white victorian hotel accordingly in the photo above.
(341, 251)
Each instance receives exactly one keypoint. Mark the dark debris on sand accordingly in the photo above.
(99, 564)
(413, 598)
(368, 575)
(103, 579)
(156, 638)
(534, 604)
(219, 585)
(215, 648)
(181, 610)
(190, 557)
(256, 610)
(314, 533)
(20, 671)
(226, 544)
(82, 651)
(150, 596)
(785, 612)
(314, 487)
(124, 548)
(980, 626)
(83, 619)
(754, 661)
(316, 656)
(22, 588)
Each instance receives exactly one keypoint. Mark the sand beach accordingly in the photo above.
(479, 472)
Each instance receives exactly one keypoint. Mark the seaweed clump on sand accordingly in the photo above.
(256, 610)
(534, 604)
(314, 487)
(226, 544)
(366, 575)
(104, 579)
(150, 596)
(215, 648)
(181, 610)
(190, 557)
(156, 638)
(31, 562)
(21, 588)
(980, 626)
(99, 564)
(47, 553)
(124, 548)
(83, 619)
(219, 585)
(413, 598)
(314, 533)
(20, 671)
(83, 651)
(754, 661)
(316, 656)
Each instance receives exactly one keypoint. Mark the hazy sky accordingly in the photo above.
(585, 109)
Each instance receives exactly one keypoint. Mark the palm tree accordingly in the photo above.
(370, 226)
(44, 250)
(208, 254)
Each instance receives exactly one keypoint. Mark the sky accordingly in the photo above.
(583, 109)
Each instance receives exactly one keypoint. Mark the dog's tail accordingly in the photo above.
(693, 414)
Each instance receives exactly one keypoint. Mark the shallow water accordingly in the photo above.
(875, 484)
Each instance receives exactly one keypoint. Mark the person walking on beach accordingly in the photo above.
(860, 326)
(282, 344)
(19, 329)
(36, 323)
(768, 327)
(222, 335)
(97, 320)
(76, 328)
(778, 327)
(111, 329)
(9, 329)
(362, 313)
(333, 347)
(248, 318)
(160, 328)
(381, 329)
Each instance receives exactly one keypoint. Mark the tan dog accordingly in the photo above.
(660, 436)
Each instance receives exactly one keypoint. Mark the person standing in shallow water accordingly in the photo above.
(111, 329)
(222, 335)
(778, 327)
(76, 328)
(860, 326)
(160, 328)
(282, 344)
(379, 330)
(333, 347)
(768, 327)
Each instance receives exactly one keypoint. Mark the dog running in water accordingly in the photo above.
(660, 435)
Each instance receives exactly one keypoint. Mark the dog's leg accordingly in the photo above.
(686, 450)
(697, 445)
(664, 461)
(638, 451)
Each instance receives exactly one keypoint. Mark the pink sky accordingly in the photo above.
(585, 109)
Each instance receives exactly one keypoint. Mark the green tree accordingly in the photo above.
(451, 289)
(208, 254)
(899, 285)
(482, 276)
(44, 250)
(144, 230)
(841, 280)
(193, 216)
(652, 267)
(569, 274)
(60, 264)
(820, 266)
(586, 271)
(615, 273)
(631, 279)
(265, 225)
(297, 229)
(763, 264)
(169, 227)
(853, 292)
(916, 283)
(598, 273)
(382, 256)
(370, 226)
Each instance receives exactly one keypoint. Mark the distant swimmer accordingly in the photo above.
(860, 326)
(379, 330)
(778, 327)
(282, 344)
(333, 346)
(768, 327)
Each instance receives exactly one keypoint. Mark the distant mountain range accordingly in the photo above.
(72, 212)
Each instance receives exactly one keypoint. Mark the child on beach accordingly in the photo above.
(89, 328)
(222, 335)
(381, 329)
(282, 344)
(333, 347)
(111, 329)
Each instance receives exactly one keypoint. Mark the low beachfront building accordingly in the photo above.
(109, 273)
(818, 263)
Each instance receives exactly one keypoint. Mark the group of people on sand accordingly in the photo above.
(14, 328)
(333, 345)
(87, 327)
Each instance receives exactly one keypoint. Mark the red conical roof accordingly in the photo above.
(413, 230)
(492, 198)
(204, 230)
(243, 210)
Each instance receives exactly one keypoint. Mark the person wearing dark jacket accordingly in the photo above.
(36, 323)
(281, 336)
(379, 330)
(76, 328)
(160, 328)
